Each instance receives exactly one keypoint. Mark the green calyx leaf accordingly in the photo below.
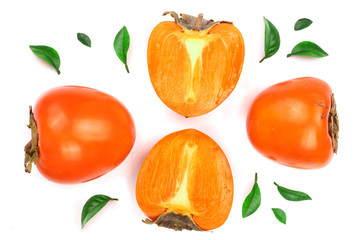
(307, 48)
(252, 201)
(48, 54)
(272, 39)
(302, 23)
(292, 195)
(279, 214)
(84, 39)
(121, 45)
(93, 206)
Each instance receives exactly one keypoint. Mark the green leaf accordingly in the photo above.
(292, 195)
(121, 45)
(93, 206)
(84, 39)
(252, 201)
(49, 54)
(279, 214)
(307, 48)
(272, 39)
(302, 23)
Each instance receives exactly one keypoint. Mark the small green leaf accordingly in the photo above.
(307, 48)
(84, 39)
(292, 195)
(121, 45)
(49, 54)
(93, 206)
(279, 214)
(272, 39)
(252, 201)
(302, 23)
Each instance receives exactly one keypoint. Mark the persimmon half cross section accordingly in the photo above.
(185, 182)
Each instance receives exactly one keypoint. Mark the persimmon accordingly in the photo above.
(78, 134)
(185, 182)
(295, 123)
(194, 64)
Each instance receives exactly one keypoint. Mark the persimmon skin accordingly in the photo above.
(289, 123)
(187, 173)
(83, 134)
(192, 71)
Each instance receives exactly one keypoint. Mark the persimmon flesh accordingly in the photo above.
(185, 182)
(295, 123)
(194, 64)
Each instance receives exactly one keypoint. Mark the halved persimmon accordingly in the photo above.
(185, 182)
(194, 64)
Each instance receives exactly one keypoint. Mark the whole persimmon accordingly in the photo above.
(185, 182)
(194, 64)
(78, 134)
(295, 123)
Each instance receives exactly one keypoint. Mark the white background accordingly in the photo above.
(34, 208)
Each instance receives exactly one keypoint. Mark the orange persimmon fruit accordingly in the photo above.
(295, 123)
(194, 64)
(185, 182)
(78, 134)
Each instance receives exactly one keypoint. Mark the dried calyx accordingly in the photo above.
(334, 124)
(31, 148)
(174, 221)
(189, 22)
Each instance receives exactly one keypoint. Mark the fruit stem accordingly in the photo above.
(31, 148)
(174, 221)
(199, 20)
